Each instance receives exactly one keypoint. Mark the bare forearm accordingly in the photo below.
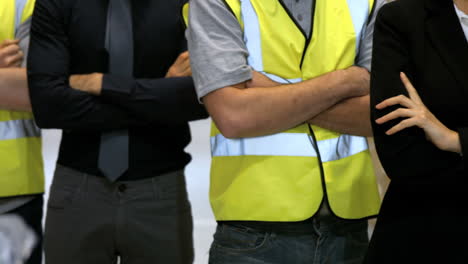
(14, 94)
(351, 116)
(267, 110)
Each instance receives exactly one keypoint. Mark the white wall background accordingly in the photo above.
(197, 174)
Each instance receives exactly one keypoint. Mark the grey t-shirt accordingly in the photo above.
(217, 49)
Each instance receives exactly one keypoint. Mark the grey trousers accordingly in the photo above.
(92, 221)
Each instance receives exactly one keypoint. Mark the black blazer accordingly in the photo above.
(425, 203)
(68, 37)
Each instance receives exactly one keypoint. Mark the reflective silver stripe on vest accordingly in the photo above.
(15, 129)
(359, 12)
(19, 5)
(252, 35)
(284, 144)
(341, 147)
(288, 144)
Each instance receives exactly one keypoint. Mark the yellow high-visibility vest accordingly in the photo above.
(21, 166)
(285, 176)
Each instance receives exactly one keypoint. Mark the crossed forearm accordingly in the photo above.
(259, 111)
(351, 116)
(14, 94)
(316, 101)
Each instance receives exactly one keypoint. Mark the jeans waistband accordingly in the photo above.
(311, 224)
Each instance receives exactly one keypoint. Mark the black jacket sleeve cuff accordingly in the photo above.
(114, 86)
(463, 134)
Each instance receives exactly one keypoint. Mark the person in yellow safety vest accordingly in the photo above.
(291, 175)
(21, 167)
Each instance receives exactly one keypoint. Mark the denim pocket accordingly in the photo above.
(238, 238)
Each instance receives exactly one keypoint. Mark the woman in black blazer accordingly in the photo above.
(421, 133)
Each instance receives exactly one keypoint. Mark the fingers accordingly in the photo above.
(181, 67)
(8, 42)
(402, 125)
(410, 88)
(15, 60)
(184, 56)
(400, 99)
(401, 112)
(188, 72)
(11, 56)
(185, 65)
(10, 50)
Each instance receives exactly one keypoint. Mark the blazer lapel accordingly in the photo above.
(445, 32)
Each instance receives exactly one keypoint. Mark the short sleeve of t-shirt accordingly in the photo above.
(218, 52)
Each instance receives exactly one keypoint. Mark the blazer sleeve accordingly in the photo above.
(159, 100)
(406, 154)
(55, 104)
(463, 134)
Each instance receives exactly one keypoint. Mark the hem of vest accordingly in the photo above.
(315, 214)
(22, 195)
(356, 219)
(324, 185)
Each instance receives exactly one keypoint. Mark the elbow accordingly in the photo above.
(233, 125)
(45, 115)
(41, 122)
(230, 113)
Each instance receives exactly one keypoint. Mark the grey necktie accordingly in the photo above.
(113, 152)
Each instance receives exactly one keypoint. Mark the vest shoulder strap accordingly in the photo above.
(23, 11)
(28, 10)
(232, 5)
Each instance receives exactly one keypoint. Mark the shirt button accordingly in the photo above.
(299, 17)
(122, 187)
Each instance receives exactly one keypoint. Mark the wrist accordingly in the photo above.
(94, 85)
(340, 81)
(452, 142)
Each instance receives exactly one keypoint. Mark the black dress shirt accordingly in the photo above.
(68, 37)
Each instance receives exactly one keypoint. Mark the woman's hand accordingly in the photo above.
(417, 114)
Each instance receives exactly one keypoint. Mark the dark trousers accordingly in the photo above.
(319, 240)
(31, 213)
(93, 221)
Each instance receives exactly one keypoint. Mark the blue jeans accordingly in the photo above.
(318, 240)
